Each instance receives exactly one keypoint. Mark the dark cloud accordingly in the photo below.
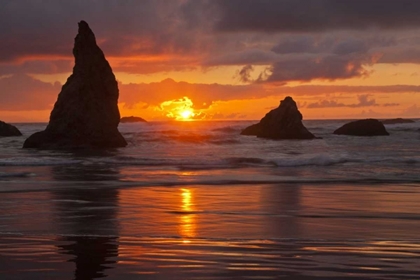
(315, 16)
(304, 44)
(152, 36)
(123, 28)
(328, 67)
(308, 57)
(401, 54)
(246, 57)
(326, 57)
(245, 74)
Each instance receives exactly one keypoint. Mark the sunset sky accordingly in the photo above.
(219, 59)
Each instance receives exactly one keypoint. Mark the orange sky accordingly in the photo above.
(254, 104)
(172, 64)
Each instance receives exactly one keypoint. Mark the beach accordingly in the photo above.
(196, 200)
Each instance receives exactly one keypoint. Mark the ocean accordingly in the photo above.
(196, 200)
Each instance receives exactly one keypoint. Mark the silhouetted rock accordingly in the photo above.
(396, 121)
(86, 113)
(252, 130)
(132, 119)
(368, 127)
(284, 122)
(7, 130)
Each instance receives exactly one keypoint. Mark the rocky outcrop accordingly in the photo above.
(284, 122)
(7, 130)
(368, 127)
(254, 130)
(397, 121)
(132, 119)
(86, 113)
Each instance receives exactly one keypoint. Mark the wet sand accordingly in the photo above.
(267, 231)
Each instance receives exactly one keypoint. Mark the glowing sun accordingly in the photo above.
(186, 114)
(179, 109)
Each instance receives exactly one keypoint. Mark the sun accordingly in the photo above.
(179, 109)
(186, 114)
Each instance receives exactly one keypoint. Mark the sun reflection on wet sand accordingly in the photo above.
(187, 225)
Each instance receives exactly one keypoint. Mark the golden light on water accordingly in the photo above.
(187, 227)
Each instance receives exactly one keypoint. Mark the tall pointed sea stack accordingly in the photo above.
(284, 122)
(86, 113)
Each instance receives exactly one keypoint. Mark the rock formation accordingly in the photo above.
(86, 113)
(7, 130)
(396, 121)
(132, 119)
(368, 127)
(284, 122)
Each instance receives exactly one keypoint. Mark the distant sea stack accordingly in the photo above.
(284, 122)
(86, 114)
(397, 121)
(132, 119)
(7, 130)
(368, 127)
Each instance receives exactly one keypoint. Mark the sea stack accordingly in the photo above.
(85, 114)
(284, 122)
(132, 119)
(367, 127)
(7, 130)
(397, 121)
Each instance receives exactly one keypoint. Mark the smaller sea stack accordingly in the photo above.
(367, 127)
(8, 130)
(284, 122)
(132, 119)
(397, 121)
(86, 114)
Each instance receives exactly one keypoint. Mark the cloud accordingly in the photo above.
(413, 110)
(202, 95)
(122, 28)
(326, 104)
(246, 57)
(315, 16)
(339, 44)
(401, 54)
(390, 104)
(309, 57)
(38, 66)
(152, 36)
(328, 67)
(364, 100)
(245, 74)
(205, 95)
(22, 92)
